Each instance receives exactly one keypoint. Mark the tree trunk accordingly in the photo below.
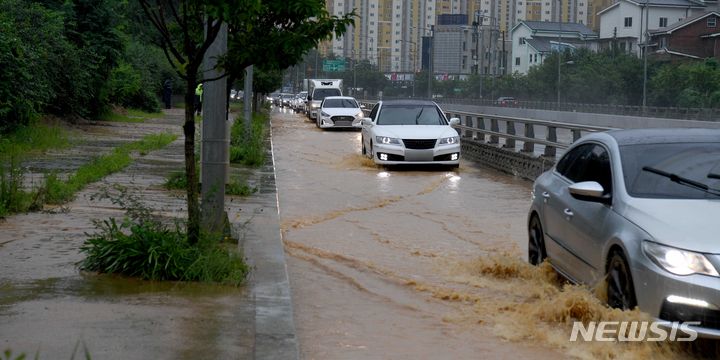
(193, 224)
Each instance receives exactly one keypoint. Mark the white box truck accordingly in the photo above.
(318, 89)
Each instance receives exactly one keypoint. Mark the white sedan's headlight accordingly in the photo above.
(360, 115)
(387, 140)
(677, 261)
(322, 113)
(314, 106)
(449, 140)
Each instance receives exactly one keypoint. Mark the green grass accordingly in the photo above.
(249, 150)
(37, 137)
(57, 191)
(130, 115)
(178, 181)
(239, 188)
(152, 251)
(13, 198)
(236, 106)
(142, 246)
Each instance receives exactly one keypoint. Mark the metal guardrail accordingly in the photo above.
(702, 114)
(491, 129)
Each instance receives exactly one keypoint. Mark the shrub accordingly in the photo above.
(126, 88)
(142, 246)
(13, 198)
(249, 150)
(239, 188)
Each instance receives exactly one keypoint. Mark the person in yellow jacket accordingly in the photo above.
(198, 98)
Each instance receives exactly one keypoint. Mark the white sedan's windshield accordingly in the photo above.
(340, 103)
(410, 115)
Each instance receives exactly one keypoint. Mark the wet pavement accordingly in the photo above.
(362, 240)
(48, 307)
(420, 263)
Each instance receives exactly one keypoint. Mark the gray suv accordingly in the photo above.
(639, 209)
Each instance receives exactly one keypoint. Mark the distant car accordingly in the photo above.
(410, 132)
(298, 103)
(340, 112)
(506, 101)
(285, 99)
(638, 209)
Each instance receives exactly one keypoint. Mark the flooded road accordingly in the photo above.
(371, 250)
(423, 263)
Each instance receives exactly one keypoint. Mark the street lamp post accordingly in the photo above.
(354, 65)
(559, 60)
(645, 45)
(431, 77)
(414, 69)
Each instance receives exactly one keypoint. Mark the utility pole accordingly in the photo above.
(645, 45)
(559, 59)
(354, 65)
(247, 99)
(431, 76)
(215, 140)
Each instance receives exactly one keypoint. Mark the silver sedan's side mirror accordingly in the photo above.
(367, 122)
(454, 121)
(589, 191)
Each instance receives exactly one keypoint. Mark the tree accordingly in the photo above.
(275, 33)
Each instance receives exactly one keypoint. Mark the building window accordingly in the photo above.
(535, 58)
(517, 61)
(663, 22)
(663, 42)
(521, 41)
(628, 22)
(712, 22)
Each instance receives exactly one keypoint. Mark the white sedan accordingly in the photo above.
(410, 132)
(339, 112)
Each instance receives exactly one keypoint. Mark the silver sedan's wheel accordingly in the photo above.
(620, 291)
(536, 242)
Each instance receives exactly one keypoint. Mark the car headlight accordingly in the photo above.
(449, 140)
(314, 106)
(677, 261)
(360, 115)
(387, 140)
(322, 113)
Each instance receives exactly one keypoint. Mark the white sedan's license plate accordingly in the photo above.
(418, 155)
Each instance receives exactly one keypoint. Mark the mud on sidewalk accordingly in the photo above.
(49, 308)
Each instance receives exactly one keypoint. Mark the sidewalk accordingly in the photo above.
(47, 306)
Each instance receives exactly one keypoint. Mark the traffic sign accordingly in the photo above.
(333, 65)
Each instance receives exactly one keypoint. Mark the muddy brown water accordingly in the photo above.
(419, 263)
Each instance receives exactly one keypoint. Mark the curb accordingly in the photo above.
(261, 238)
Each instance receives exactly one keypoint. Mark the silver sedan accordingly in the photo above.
(639, 209)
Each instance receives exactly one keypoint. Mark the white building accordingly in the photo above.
(533, 41)
(624, 23)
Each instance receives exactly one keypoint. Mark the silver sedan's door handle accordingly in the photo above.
(568, 212)
(546, 195)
